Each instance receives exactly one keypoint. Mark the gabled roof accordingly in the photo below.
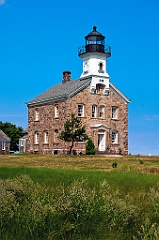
(60, 92)
(24, 137)
(118, 92)
(4, 137)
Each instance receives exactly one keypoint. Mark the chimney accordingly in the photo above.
(66, 76)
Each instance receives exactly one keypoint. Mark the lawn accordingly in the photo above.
(142, 164)
(79, 197)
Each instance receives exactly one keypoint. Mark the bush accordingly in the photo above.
(141, 162)
(114, 164)
(90, 148)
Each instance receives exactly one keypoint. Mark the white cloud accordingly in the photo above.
(152, 117)
(2, 2)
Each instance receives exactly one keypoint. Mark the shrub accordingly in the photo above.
(141, 162)
(90, 148)
(114, 164)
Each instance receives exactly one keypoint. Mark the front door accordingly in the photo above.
(101, 141)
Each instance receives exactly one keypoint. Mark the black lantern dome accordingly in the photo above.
(94, 37)
(95, 42)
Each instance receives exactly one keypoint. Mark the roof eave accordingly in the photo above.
(118, 92)
(46, 101)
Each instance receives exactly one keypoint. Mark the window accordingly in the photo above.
(36, 114)
(115, 137)
(80, 110)
(46, 137)
(100, 67)
(21, 142)
(94, 110)
(56, 111)
(37, 138)
(3, 145)
(99, 88)
(101, 111)
(114, 112)
(56, 139)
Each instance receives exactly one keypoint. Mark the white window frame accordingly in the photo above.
(46, 137)
(101, 111)
(3, 145)
(21, 142)
(80, 110)
(115, 137)
(36, 114)
(37, 138)
(56, 111)
(94, 110)
(114, 112)
(101, 67)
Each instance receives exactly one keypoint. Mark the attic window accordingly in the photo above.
(99, 88)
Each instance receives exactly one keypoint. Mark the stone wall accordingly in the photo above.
(54, 126)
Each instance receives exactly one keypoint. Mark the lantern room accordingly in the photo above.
(95, 42)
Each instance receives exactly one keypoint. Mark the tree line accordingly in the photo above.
(13, 132)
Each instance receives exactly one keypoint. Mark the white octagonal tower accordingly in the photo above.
(94, 55)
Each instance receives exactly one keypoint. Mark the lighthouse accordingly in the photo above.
(94, 54)
(93, 98)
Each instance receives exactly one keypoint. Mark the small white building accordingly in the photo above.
(23, 142)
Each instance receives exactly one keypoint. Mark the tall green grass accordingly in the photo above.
(76, 210)
(54, 204)
(125, 181)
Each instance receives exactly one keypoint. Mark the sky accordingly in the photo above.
(40, 39)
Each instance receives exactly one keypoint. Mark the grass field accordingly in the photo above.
(142, 164)
(79, 197)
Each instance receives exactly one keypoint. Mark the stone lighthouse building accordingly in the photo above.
(100, 105)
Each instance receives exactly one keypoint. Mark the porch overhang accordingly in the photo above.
(97, 126)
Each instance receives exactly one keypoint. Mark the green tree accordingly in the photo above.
(13, 132)
(90, 148)
(73, 131)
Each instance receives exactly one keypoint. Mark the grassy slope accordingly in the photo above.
(102, 163)
(128, 176)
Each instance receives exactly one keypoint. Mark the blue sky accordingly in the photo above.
(40, 39)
